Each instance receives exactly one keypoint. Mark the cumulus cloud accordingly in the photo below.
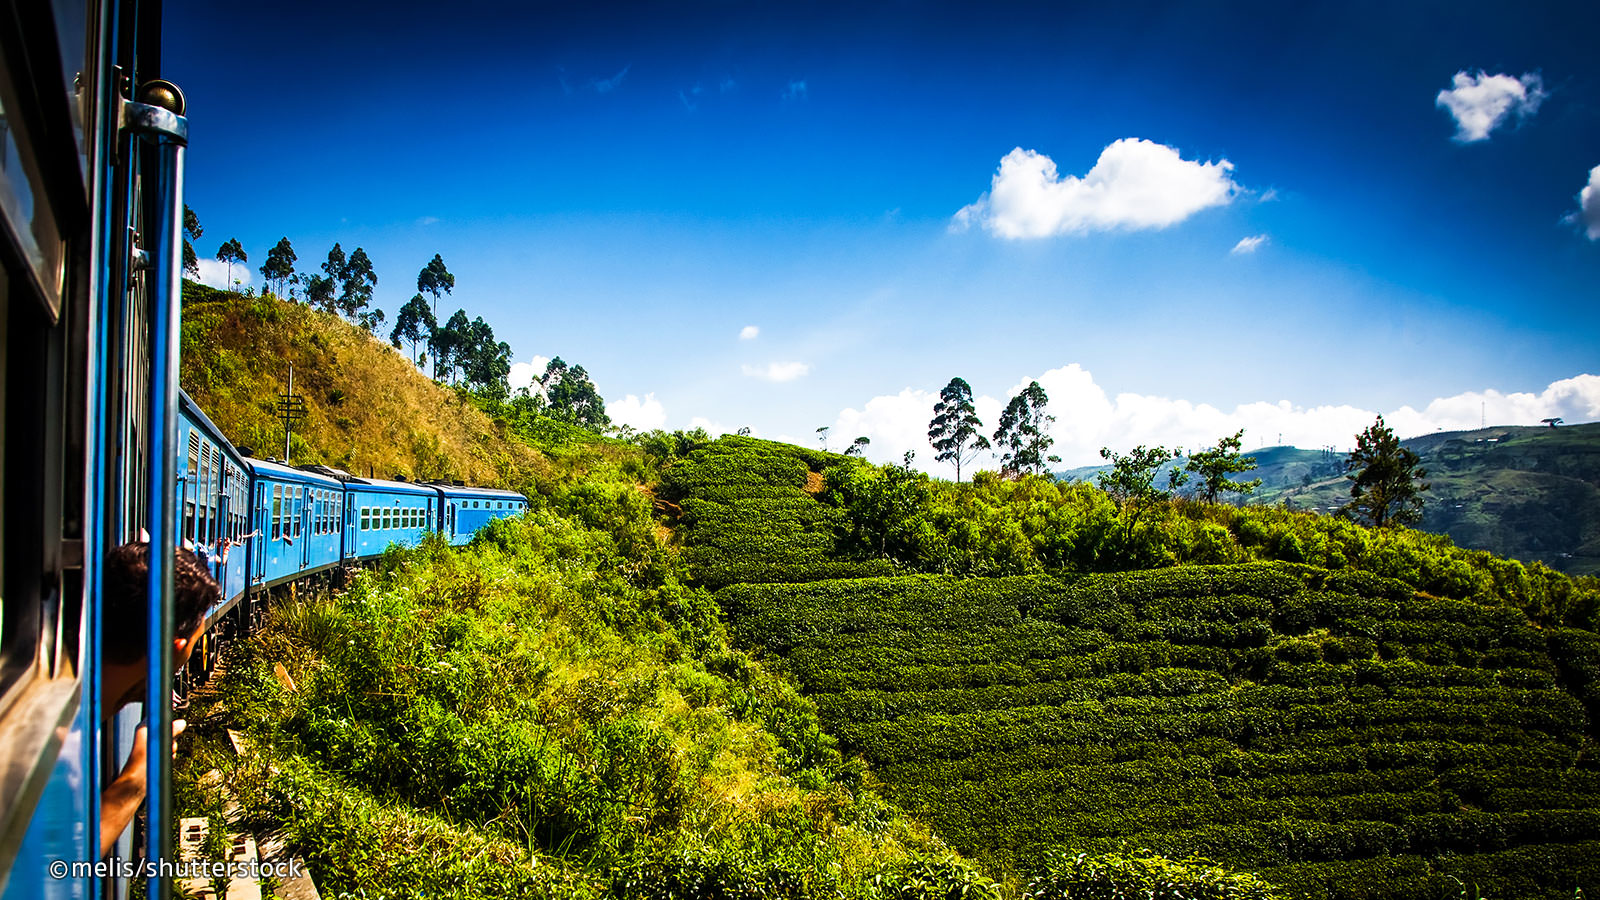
(1248, 244)
(1480, 103)
(1134, 184)
(1588, 214)
(214, 272)
(1088, 418)
(749, 333)
(643, 414)
(777, 371)
(525, 374)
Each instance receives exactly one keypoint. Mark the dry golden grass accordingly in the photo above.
(369, 410)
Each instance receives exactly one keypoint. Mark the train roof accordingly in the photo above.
(193, 411)
(460, 490)
(279, 471)
(391, 487)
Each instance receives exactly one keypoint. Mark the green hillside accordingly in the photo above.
(1344, 732)
(1528, 493)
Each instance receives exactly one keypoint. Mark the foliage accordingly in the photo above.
(358, 281)
(954, 429)
(435, 279)
(548, 713)
(570, 396)
(231, 252)
(1387, 484)
(414, 324)
(1131, 480)
(1217, 463)
(1145, 876)
(1022, 436)
(279, 266)
(192, 231)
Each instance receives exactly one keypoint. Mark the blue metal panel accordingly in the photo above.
(295, 536)
(59, 829)
(389, 512)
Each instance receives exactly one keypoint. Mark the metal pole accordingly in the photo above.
(162, 121)
(288, 398)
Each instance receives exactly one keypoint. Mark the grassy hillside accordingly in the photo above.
(369, 410)
(1345, 729)
(1528, 493)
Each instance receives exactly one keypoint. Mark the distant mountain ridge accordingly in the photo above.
(1524, 492)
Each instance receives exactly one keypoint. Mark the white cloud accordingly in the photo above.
(1088, 418)
(778, 371)
(644, 414)
(1588, 214)
(1134, 184)
(796, 90)
(428, 220)
(1479, 103)
(525, 374)
(214, 272)
(749, 333)
(1248, 244)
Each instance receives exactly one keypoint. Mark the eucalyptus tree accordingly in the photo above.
(414, 324)
(359, 279)
(279, 265)
(1021, 436)
(231, 252)
(954, 429)
(435, 279)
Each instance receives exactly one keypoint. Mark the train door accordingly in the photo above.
(350, 525)
(258, 543)
(302, 525)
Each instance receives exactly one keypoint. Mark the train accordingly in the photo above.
(99, 448)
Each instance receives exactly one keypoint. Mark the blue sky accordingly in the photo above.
(1209, 217)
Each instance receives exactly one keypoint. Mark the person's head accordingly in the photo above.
(125, 620)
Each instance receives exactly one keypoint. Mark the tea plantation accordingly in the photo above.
(1340, 734)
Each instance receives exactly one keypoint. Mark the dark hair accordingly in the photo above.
(125, 620)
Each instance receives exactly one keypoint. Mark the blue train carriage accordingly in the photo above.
(467, 509)
(297, 523)
(381, 513)
(213, 502)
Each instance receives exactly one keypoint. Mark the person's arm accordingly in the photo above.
(120, 801)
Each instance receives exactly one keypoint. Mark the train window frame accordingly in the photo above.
(277, 512)
(366, 518)
(299, 510)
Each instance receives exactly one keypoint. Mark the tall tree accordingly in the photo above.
(191, 232)
(279, 265)
(414, 323)
(231, 252)
(486, 362)
(1216, 464)
(858, 447)
(570, 396)
(954, 429)
(450, 343)
(1386, 487)
(359, 280)
(1021, 435)
(435, 279)
(319, 291)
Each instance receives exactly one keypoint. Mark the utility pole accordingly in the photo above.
(292, 409)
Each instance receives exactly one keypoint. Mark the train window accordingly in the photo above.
(277, 511)
(299, 509)
(366, 518)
